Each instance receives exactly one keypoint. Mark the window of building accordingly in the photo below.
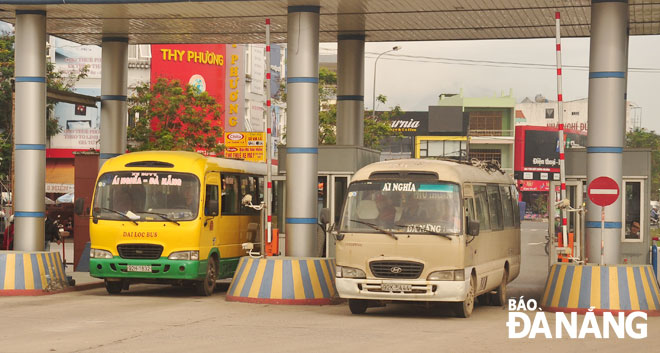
(485, 123)
(133, 52)
(442, 148)
(632, 210)
(486, 155)
(145, 51)
(550, 113)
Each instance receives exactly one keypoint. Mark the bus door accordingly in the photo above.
(338, 190)
(210, 236)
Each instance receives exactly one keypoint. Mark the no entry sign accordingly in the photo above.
(603, 191)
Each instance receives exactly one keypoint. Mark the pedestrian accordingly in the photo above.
(52, 232)
(8, 241)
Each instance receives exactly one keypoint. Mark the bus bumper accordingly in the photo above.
(441, 291)
(160, 269)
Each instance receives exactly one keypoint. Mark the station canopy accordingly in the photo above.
(243, 21)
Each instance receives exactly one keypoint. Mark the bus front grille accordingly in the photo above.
(140, 251)
(396, 269)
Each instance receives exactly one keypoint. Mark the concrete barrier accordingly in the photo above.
(31, 273)
(613, 288)
(284, 280)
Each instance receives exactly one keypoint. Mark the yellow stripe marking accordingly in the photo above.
(10, 268)
(258, 279)
(27, 272)
(49, 266)
(298, 288)
(58, 266)
(647, 289)
(547, 288)
(314, 278)
(654, 283)
(595, 287)
(632, 289)
(614, 289)
(244, 275)
(560, 283)
(276, 287)
(42, 271)
(574, 295)
(328, 279)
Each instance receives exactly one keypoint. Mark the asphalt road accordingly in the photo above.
(151, 318)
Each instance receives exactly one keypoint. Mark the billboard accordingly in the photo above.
(79, 124)
(249, 146)
(235, 88)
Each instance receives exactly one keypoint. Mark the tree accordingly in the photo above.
(642, 138)
(375, 127)
(54, 80)
(171, 116)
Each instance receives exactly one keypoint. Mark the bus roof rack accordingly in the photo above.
(489, 166)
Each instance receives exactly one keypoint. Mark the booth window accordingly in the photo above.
(632, 211)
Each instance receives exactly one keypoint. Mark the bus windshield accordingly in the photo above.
(146, 196)
(402, 207)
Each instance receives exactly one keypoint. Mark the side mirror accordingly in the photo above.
(212, 208)
(325, 216)
(79, 206)
(473, 228)
(247, 199)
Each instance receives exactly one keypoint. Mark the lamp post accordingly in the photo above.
(395, 48)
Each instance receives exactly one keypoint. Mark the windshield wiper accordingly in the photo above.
(117, 212)
(424, 228)
(377, 228)
(163, 216)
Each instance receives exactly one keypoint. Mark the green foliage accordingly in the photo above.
(375, 127)
(173, 117)
(642, 138)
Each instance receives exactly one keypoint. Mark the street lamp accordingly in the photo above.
(395, 48)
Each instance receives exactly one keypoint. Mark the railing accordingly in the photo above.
(506, 133)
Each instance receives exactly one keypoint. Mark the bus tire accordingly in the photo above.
(206, 286)
(499, 297)
(464, 309)
(358, 306)
(113, 287)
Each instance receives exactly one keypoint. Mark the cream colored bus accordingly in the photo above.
(428, 230)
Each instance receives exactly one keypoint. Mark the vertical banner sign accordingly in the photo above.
(200, 65)
(235, 89)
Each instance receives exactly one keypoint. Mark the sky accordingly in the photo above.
(414, 76)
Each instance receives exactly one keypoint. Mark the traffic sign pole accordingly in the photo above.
(602, 243)
(603, 191)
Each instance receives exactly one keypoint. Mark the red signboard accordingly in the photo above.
(603, 191)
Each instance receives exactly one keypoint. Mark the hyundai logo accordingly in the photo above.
(396, 269)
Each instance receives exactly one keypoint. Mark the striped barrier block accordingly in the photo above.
(284, 280)
(31, 273)
(613, 288)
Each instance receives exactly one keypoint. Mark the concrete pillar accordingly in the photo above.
(350, 90)
(607, 118)
(30, 130)
(302, 130)
(114, 87)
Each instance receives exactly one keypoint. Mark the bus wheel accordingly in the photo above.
(113, 287)
(464, 308)
(358, 306)
(206, 286)
(499, 297)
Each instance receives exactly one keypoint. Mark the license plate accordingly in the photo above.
(395, 287)
(138, 268)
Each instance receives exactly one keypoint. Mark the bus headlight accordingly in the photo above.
(450, 275)
(99, 254)
(184, 255)
(349, 272)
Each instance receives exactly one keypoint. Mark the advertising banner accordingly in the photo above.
(249, 146)
(79, 124)
(235, 88)
(71, 58)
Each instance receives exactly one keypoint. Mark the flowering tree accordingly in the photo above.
(171, 116)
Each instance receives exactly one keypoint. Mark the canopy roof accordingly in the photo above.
(243, 21)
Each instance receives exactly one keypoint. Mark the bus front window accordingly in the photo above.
(151, 196)
(403, 207)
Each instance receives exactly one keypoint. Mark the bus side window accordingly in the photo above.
(249, 186)
(211, 195)
(514, 203)
(507, 209)
(481, 207)
(229, 194)
(495, 207)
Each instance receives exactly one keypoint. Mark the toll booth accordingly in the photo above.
(636, 197)
(336, 166)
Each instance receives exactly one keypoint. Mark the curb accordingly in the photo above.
(39, 292)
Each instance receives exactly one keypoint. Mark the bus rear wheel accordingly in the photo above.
(464, 309)
(207, 285)
(358, 306)
(113, 287)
